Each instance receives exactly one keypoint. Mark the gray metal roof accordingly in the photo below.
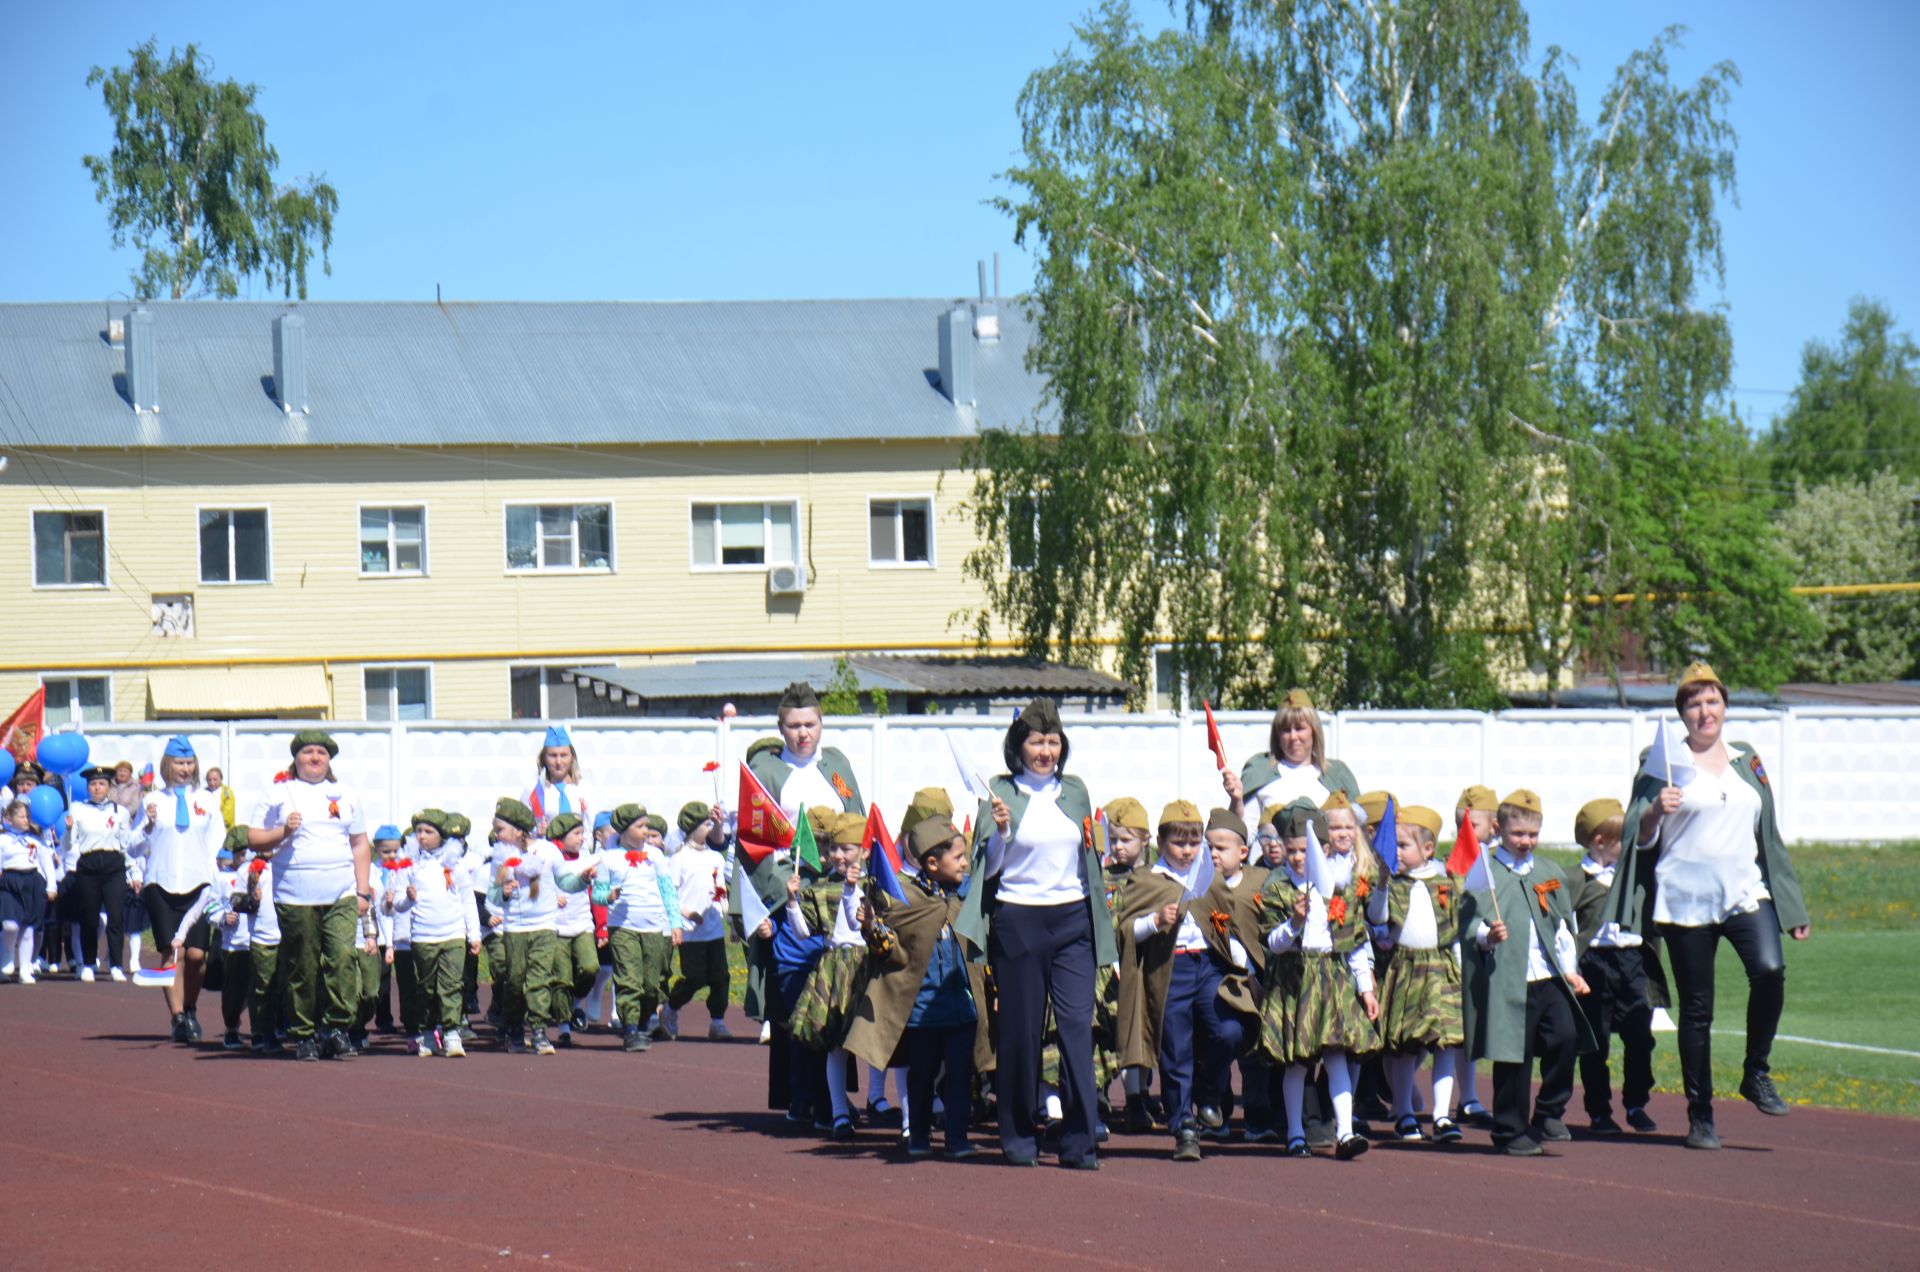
(500, 372)
(952, 674)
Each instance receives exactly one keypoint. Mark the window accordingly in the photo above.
(69, 549)
(542, 693)
(77, 700)
(748, 535)
(560, 536)
(900, 532)
(233, 546)
(1023, 532)
(393, 540)
(399, 693)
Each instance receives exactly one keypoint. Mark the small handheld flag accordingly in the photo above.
(146, 777)
(877, 835)
(1466, 849)
(1319, 873)
(763, 827)
(975, 784)
(1386, 840)
(1214, 742)
(753, 910)
(1669, 760)
(154, 977)
(882, 876)
(805, 849)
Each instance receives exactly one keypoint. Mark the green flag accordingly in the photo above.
(804, 849)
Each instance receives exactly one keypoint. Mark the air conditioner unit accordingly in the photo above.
(787, 580)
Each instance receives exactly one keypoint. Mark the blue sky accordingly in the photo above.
(755, 150)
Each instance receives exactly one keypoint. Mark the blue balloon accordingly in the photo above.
(63, 753)
(76, 789)
(45, 806)
(7, 765)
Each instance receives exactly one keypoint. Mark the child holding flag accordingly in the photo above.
(1420, 995)
(838, 980)
(576, 953)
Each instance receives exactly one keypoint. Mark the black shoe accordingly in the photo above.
(1522, 1146)
(346, 1047)
(1700, 1134)
(1476, 1115)
(1639, 1121)
(516, 1044)
(1407, 1128)
(1361, 1126)
(1211, 1117)
(1297, 1147)
(1082, 1163)
(1261, 1135)
(889, 1117)
(1157, 1110)
(580, 1020)
(564, 1040)
(961, 1152)
(634, 1038)
(1186, 1145)
(306, 1049)
(1551, 1130)
(193, 1028)
(180, 1033)
(918, 1151)
(1604, 1125)
(1217, 1134)
(1139, 1119)
(470, 1005)
(1351, 1147)
(230, 1041)
(842, 1132)
(1446, 1131)
(1100, 1133)
(1759, 1092)
(1052, 1129)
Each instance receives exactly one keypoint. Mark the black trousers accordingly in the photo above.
(1041, 955)
(1617, 1003)
(945, 1052)
(1551, 1038)
(1755, 938)
(100, 882)
(1198, 1039)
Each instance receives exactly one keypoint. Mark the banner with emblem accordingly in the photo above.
(22, 731)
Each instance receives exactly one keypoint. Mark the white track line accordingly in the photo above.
(1825, 1042)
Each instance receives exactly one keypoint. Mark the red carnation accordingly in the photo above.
(710, 766)
(1336, 911)
(258, 865)
(636, 857)
(512, 863)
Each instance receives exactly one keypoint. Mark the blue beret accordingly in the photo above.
(602, 819)
(387, 832)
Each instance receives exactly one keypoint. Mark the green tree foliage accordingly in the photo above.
(1358, 339)
(1856, 410)
(190, 182)
(1849, 532)
(842, 694)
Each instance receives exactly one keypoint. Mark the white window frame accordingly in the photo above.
(933, 552)
(73, 678)
(33, 541)
(231, 508)
(1177, 692)
(766, 535)
(359, 538)
(394, 718)
(613, 538)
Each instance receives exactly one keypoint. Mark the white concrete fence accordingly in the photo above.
(1837, 773)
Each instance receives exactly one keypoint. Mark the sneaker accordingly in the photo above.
(1604, 1125)
(1407, 1128)
(1446, 1131)
(423, 1046)
(718, 1031)
(468, 1033)
(180, 1033)
(1082, 1163)
(1758, 1090)
(516, 1044)
(1350, 1147)
(1551, 1130)
(1218, 1134)
(1523, 1146)
(634, 1039)
(27, 977)
(542, 1045)
(960, 1152)
(1261, 1135)
(451, 1044)
(1186, 1145)
(670, 1021)
(566, 1037)
(1700, 1134)
(919, 1151)
(306, 1049)
(193, 1024)
(579, 1020)
(7, 971)
(1639, 1121)
(230, 1041)
(118, 975)
(336, 1045)
(86, 975)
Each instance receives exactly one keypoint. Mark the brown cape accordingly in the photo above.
(1240, 908)
(880, 1020)
(1145, 969)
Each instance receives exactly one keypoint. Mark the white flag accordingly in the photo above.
(1319, 873)
(1200, 874)
(976, 785)
(753, 911)
(1667, 759)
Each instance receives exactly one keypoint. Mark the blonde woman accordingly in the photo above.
(1294, 765)
(180, 835)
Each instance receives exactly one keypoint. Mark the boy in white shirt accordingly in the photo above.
(644, 921)
(700, 877)
(445, 930)
(526, 871)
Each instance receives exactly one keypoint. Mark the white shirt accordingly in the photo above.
(807, 786)
(1709, 863)
(178, 861)
(1188, 939)
(642, 903)
(23, 850)
(1316, 937)
(1041, 864)
(314, 864)
(846, 927)
(1609, 935)
(100, 828)
(544, 800)
(395, 918)
(443, 907)
(265, 928)
(1294, 781)
(576, 908)
(523, 911)
(225, 884)
(700, 874)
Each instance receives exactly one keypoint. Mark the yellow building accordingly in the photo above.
(411, 511)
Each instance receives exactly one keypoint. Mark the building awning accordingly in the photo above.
(214, 692)
(962, 675)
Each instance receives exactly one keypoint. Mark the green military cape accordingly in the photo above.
(1238, 990)
(1263, 768)
(977, 915)
(764, 762)
(1495, 979)
(1590, 911)
(880, 1020)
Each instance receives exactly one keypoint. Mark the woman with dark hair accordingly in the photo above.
(1294, 765)
(1719, 871)
(1037, 905)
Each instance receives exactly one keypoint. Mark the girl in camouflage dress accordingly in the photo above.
(1420, 995)
(838, 981)
(1319, 1003)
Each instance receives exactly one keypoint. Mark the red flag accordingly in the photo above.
(877, 833)
(967, 829)
(763, 826)
(1214, 743)
(1466, 848)
(22, 731)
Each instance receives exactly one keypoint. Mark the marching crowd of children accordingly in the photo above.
(1327, 952)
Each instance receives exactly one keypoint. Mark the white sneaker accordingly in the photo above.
(86, 975)
(766, 1032)
(7, 971)
(119, 975)
(422, 1047)
(27, 977)
(718, 1030)
(450, 1039)
(670, 1021)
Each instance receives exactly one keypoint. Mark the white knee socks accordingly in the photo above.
(1443, 1081)
(837, 1083)
(1401, 1071)
(9, 943)
(26, 949)
(1463, 1074)
(1293, 1084)
(1340, 1087)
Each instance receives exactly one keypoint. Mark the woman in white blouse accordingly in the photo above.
(180, 835)
(1719, 870)
(1294, 765)
(1045, 930)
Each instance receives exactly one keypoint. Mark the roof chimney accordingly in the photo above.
(143, 371)
(290, 363)
(956, 357)
(986, 313)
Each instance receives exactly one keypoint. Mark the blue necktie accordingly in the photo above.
(565, 806)
(180, 819)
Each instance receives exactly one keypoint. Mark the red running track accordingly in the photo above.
(124, 1150)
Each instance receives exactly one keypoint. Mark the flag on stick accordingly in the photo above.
(1386, 840)
(21, 732)
(1214, 743)
(1319, 873)
(1668, 760)
(753, 910)
(763, 827)
(805, 848)
(878, 836)
(976, 785)
(882, 872)
(1466, 849)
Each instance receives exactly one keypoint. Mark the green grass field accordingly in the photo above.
(1856, 980)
